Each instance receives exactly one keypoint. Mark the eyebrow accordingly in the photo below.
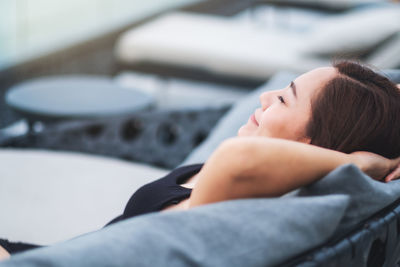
(293, 86)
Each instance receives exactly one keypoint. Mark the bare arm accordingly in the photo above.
(3, 254)
(265, 167)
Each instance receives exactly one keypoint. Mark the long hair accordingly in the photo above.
(358, 110)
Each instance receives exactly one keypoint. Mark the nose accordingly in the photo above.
(265, 100)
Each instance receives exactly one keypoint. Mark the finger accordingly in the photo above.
(393, 175)
(390, 177)
(394, 165)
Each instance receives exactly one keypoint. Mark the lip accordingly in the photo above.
(253, 119)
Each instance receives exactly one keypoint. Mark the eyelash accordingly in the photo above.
(281, 99)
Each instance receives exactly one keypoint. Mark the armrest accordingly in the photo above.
(375, 242)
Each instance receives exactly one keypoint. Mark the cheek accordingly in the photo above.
(283, 124)
(273, 126)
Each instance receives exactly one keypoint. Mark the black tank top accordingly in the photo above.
(159, 194)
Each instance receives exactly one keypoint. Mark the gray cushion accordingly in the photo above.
(392, 74)
(237, 233)
(367, 195)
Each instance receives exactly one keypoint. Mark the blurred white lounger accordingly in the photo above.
(47, 196)
(229, 47)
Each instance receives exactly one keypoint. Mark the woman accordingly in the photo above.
(299, 134)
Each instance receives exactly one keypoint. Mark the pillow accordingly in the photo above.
(392, 74)
(367, 196)
(253, 232)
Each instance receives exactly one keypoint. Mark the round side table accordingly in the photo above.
(74, 97)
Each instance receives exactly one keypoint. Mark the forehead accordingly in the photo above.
(312, 81)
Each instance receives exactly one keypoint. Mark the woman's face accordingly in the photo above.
(284, 113)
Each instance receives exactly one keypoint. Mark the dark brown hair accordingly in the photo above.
(358, 110)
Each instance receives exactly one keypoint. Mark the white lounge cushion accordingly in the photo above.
(227, 46)
(52, 196)
(354, 31)
(215, 44)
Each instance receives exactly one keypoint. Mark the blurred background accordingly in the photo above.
(188, 52)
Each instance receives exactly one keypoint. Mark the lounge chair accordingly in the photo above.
(320, 225)
(241, 51)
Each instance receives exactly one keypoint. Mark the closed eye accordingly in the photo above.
(281, 99)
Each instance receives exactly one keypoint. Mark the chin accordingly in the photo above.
(244, 131)
(241, 131)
